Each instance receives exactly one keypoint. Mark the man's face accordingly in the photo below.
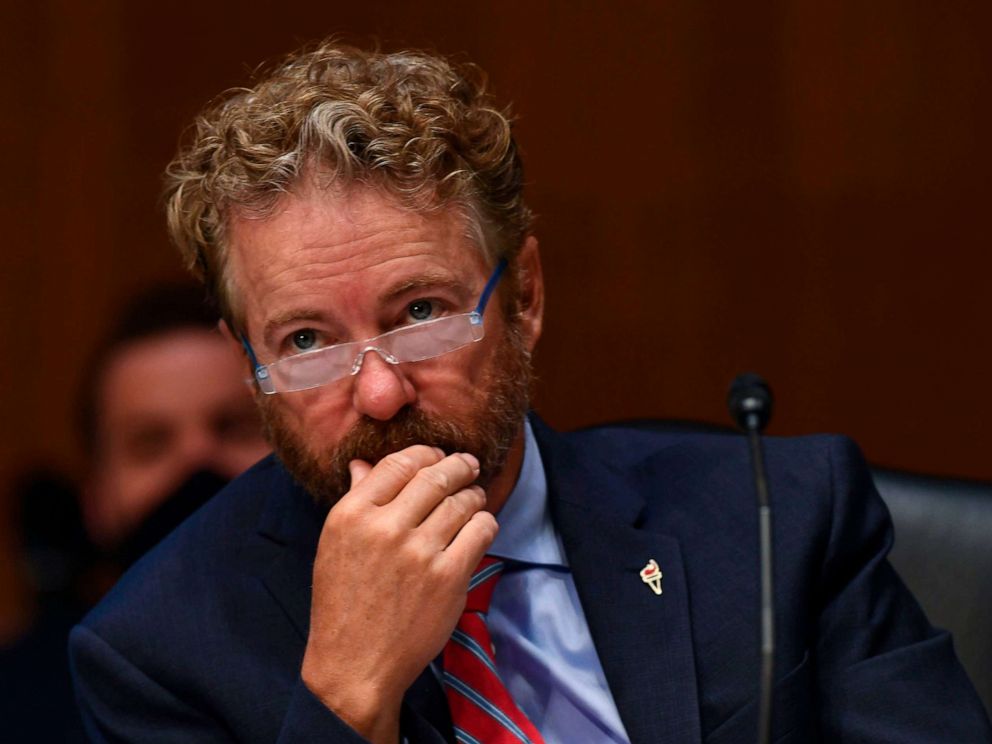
(329, 267)
(168, 405)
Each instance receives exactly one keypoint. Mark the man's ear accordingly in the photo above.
(235, 341)
(239, 348)
(228, 334)
(531, 288)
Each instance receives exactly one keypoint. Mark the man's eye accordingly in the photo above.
(421, 309)
(304, 340)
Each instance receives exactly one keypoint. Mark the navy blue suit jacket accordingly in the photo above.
(202, 641)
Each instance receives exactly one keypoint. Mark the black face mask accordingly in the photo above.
(182, 502)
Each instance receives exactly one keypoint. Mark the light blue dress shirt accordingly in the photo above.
(544, 652)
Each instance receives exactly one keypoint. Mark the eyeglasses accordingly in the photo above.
(412, 343)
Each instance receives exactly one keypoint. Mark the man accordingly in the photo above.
(360, 218)
(165, 418)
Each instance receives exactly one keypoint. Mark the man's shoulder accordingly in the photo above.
(684, 472)
(631, 444)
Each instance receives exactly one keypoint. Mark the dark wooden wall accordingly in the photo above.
(798, 188)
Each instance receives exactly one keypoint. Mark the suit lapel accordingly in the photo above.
(643, 640)
(291, 523)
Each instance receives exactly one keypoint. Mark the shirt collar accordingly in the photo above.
(526, 533)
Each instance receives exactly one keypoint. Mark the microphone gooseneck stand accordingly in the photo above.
(750, 405)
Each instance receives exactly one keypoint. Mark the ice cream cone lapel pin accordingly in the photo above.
(651, 575)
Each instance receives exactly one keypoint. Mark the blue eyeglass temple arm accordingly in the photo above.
(250, 352)
(480, 308)
(490, 286)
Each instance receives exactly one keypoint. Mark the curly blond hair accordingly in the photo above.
(410, 124)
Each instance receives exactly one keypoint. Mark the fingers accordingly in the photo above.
(451, 515)
(420, 491)
(412, 482)
(358, 470)
(392, 473)
(471, 543)
(433, 486)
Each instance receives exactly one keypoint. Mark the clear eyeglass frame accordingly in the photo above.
(412, 343)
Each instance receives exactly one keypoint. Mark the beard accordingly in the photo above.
(487, 431)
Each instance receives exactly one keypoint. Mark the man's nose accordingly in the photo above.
(381, 389)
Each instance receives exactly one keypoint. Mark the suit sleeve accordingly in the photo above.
(884, 673)
(120, 703)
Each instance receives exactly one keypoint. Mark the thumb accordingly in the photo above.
(358, 470)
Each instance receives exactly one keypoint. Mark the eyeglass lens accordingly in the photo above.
(412, 343)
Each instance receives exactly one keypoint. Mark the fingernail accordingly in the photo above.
(472, 461)
(438, 451)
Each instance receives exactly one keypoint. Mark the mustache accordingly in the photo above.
(371, 440)
(326, 475)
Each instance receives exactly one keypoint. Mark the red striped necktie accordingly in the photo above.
(482, 710)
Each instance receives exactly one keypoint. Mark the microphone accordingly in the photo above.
(750, 403)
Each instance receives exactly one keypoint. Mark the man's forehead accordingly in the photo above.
(355, 221)
(353, 211)
(318, 239)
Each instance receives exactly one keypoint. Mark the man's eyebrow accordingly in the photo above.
(286, 317)
(425, 281)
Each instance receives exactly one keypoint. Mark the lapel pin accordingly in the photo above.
(651, 575)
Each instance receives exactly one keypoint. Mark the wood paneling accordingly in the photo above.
(796, 188)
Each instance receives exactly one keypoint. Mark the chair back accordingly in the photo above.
(943, 551)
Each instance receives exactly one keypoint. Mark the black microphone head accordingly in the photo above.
(750, 401)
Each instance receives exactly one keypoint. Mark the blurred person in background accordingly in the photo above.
(165, 419)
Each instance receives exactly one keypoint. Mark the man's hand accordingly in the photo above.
(390, 581)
